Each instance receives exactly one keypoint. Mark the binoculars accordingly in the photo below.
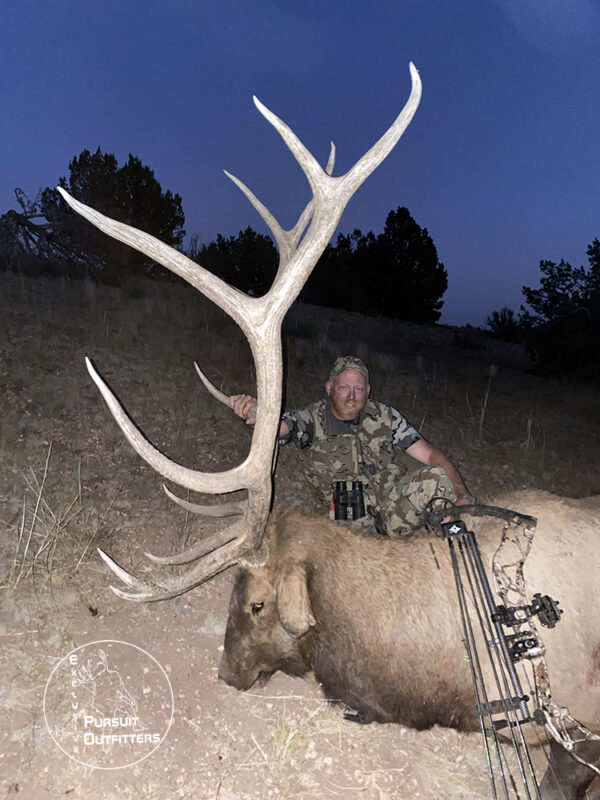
(348, 500)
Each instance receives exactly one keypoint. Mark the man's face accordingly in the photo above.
(348, 392)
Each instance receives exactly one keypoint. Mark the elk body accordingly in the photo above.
(377, 621)
(372, 618)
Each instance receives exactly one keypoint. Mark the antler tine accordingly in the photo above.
(200, 549)
(365, 165)
(382, 148)
(235, 303)
(122, 574)
(212, 482)
(294, 235)
(254, 509)
(309, 164)
(267, 217)
(331, 159)
(217, 393)
(220, 510)
(213, 563)
(209, 385)
(331, 195)
(286, 240)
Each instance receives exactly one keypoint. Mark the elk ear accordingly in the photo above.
(293, 602)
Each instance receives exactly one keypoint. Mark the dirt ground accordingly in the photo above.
(70, 482)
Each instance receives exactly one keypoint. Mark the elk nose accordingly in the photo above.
(240, 678)
(227, 673)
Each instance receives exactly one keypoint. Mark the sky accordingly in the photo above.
(501, 162)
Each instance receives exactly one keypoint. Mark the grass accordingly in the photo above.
(51, 536)
(292, 732)
(491, 372)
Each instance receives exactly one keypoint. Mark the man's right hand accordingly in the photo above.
(244, 405)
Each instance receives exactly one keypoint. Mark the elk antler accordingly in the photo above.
(260, 318)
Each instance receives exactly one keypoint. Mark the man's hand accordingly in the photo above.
(461, 500)
(244, 405)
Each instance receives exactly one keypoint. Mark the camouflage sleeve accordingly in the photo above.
(301, 427)
(403, 433)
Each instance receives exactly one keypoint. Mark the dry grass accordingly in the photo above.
(51, 536)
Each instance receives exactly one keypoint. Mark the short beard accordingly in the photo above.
(344, 412)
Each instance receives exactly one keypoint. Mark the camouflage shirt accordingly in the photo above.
(365, 449)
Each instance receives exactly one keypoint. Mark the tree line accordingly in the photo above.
(396, 273)
(560, 328)
(47, 237)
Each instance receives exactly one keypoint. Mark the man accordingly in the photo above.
(348, 437)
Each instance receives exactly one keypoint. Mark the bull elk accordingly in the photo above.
(309, 587)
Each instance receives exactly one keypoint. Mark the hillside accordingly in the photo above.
(70, 482)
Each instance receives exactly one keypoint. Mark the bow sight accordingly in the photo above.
(543, 607)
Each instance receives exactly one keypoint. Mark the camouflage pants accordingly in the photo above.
(404, 501)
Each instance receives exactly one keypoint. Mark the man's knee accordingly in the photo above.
(429, 482)
(403, 513)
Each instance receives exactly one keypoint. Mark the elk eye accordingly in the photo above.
(257, 607)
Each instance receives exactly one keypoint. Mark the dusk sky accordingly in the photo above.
(501, 163)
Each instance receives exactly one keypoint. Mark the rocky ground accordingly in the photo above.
(70, 482)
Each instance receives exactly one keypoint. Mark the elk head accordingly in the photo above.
(260, 318)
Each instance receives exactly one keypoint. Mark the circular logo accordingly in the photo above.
(108, 704)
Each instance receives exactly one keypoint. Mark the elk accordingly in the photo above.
(244, 542)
